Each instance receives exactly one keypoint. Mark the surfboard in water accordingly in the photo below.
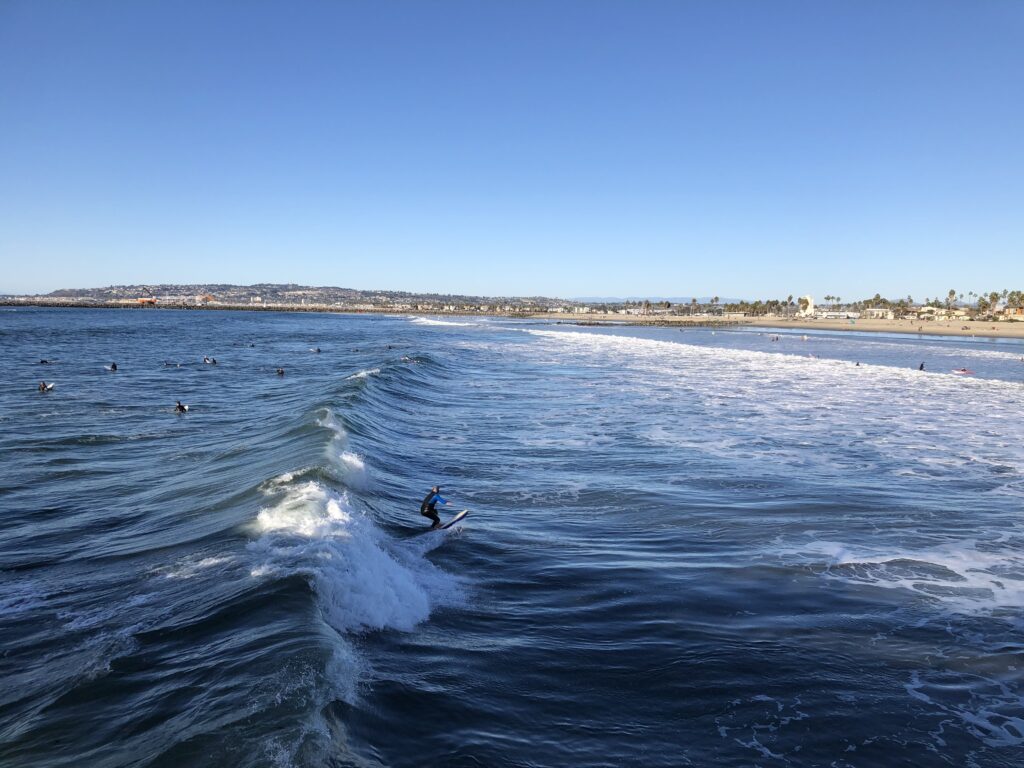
(454, 520)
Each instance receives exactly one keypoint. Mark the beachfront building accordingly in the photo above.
(878, 313)
(931, 313)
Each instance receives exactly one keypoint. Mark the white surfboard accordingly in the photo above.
(454, 520)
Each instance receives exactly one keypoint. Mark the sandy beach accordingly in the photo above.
(960, 327)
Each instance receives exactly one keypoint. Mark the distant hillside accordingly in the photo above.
(291, 293)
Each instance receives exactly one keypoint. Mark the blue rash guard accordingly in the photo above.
(427, 506)
(431, 502)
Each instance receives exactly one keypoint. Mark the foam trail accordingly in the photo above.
(364, 374)
(963, 576)
(429, 321)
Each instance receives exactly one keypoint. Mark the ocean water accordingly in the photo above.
(685, 547)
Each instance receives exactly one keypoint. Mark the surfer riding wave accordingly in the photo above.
(429, 504)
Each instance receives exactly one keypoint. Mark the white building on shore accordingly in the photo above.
(878, 313)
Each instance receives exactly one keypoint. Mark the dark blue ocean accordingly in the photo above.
(685, 548)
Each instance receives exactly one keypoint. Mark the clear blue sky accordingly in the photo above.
(601, 147)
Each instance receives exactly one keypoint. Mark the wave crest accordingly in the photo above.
(360, 583)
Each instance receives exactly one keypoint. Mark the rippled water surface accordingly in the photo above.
(685, 547)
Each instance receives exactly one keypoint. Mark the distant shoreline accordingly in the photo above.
(967, 329)
(960, 327)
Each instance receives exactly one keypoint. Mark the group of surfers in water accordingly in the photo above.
(178, 407)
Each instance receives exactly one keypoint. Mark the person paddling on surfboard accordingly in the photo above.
(429, 504)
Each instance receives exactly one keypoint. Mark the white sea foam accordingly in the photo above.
(430, 321)
(991, 710)
(350, 466)
(771, 406)
(275, 483)
(875, 342)
(353, 461)
(362, 580)
(967, 577)
(353, 470)
(364, 374)
(761, 411)
(191, 567)
(328, 420)
(650, 349)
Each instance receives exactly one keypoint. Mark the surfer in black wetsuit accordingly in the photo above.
(113, 366)
(429, 504)
(180, 408)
